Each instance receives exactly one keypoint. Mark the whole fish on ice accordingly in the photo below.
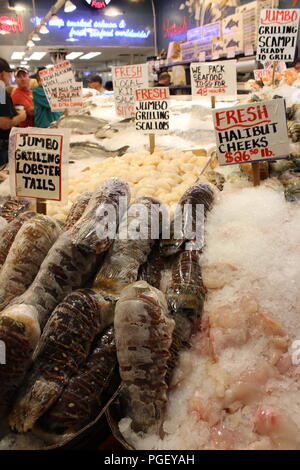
(80, 124)
(81, 150)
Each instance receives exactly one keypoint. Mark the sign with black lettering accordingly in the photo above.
(61, 89)
(277, 35)
(152, 115)
(214, 79)
(127, 79)
(38, 163)
(251, 132)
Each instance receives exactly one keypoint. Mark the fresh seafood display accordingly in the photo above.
(12, 207)
(156, 269)
(82, 399)
(80, 124)
(80, 150)
(20, 332)
(65, 268)
(143, 330)
(8, 234)
(198, 195)
(163, 174)
(293, 131)
(77, 210)
(63, 347)
(106, 132)
(130, 250)
(28, 251)
(106, 207)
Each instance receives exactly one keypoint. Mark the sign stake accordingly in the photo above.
(41, 206)
(152, 142)
(256, 173)
(213, 102)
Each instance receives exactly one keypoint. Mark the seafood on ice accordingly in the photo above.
(130, 250)
(63, 347)
(143, 331)
(28, 251)
(84, 396)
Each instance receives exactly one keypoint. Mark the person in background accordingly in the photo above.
(96, 83)
(109, 86)
(43, 116)
(22, 96)
(9, 117)
(164, 79)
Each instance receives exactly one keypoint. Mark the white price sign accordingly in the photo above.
(38, 163)
(277, 35)
(214, 79)
(126, 80)
(152, 115)
(251, 132)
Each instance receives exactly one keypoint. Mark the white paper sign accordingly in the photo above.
(214, 79)
(277, 35)
(66, 95)
(127, 79)
(152, 115)
(262, 73)
(248, 49)
(38, 163)
(231, 52)
(252, 132)
(59, 73)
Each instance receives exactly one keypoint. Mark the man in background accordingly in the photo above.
(22, 96)
(96, 82)
(164, 79)
(43, 116)
(8, 115)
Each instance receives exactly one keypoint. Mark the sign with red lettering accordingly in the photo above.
(126, 80)
(277, 35)
(98, 3)
(38, 163)
(214, 79)
(152, 114)
(251, 132)
(259, 74)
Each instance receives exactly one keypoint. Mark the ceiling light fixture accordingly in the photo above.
(72, 40)
(112, 12)
(69, 7)
(37, 56)
(90, 55)
(36, 37)
(44, 29)
(17, 55)
(55, 21)
(30, 43)
(73, 55)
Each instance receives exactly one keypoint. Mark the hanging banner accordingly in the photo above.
(251, 132)
(38, 163)
(214, 79)
(126, 80)
(277, 35)
(152, 115)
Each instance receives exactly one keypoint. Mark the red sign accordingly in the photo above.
(98, 3)
(172, 30)
(11, 24)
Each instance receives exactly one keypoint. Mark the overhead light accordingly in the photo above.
(49, 66)
(55, 21)
(72, 40)
(113, 12)
(90, 55)
(9, 22)
(30, 43)
(44, 29)
(17, 55)
(36, 37)
(19, 8)
(69, 7)
(73, 55)
(3, 32)
(24, 62)
(37, 56)
(12, 66)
